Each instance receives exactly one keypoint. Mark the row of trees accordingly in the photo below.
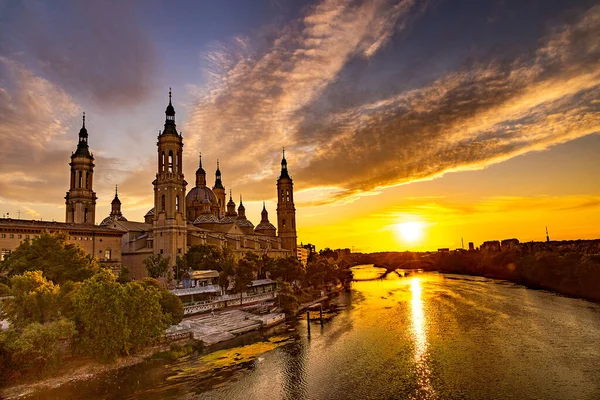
(293, 279)
(81, 310)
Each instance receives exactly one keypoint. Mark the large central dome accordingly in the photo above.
(198, 194)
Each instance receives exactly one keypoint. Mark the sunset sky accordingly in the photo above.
(466, 119)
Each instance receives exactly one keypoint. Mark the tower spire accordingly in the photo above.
(83, 126)
(116, 190)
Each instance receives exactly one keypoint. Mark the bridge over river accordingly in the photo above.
(423, 336)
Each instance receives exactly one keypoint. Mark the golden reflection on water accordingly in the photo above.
(425, 390)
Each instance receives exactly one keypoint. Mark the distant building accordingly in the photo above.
(508, 244)
(444, 250)
(471, 246)
(491, 245)
(302, 254)
(342, 253)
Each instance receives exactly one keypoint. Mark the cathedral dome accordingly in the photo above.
(198, 194)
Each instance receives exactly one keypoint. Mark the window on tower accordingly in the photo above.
(163, 203)
(176, 162)
(162, 164)
(80, 179)
(177, 203)
(287, 195)
(170, 161)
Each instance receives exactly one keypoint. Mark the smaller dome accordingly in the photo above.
(110, 219)
(264, 226)
(227, 220)
(206, 219)
(244, 223)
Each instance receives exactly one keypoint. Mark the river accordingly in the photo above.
(424, 336)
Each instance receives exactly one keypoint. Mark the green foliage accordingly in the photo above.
(144, 315)
(243, 275)
(204, 257)
(157, 266)
(288, 269)
(227, 268)
(171, 305)
(4, 290)
(124, 275)
(287, 301)
(50, 253)
(38, 345)
(35, 299)
(115, 319)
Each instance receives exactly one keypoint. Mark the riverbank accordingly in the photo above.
(78, 369)
(566, 272)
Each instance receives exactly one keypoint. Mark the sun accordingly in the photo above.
(410, 231)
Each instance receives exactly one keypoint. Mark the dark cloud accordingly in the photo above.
(93, 49)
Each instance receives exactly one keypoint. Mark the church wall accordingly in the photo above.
(135, 263)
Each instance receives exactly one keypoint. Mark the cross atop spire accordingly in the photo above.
(200, 156)
(84, 119)
(116, 190)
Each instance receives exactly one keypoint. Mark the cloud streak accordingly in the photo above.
(483, 113)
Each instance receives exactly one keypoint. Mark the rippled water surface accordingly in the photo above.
(424, 336)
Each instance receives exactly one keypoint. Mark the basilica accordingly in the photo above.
(180, 218)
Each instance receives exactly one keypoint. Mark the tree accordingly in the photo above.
(227, 269)
(287, 301)
(37, 345)
(265, 266)
(50, 253)
(204, 257)
(124, 275)
(244, 274)
(288, 269)
(35, 299)
(4, 290)
(115, 319)
(157, 266)
(171, 305)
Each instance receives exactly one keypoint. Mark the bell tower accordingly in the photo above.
(81, 199)
(286, 211)
(219, 191)
(169, 224)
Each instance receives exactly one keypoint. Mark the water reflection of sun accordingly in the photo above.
(420, 341)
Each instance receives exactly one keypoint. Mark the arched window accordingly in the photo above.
(87, 180)
(73, 180)
(282, 198)
(176, 162)
(283, 223)
(180, 169)
(80, 179)
(85, 216)
(177, 203)
(163, 203)
(287, 195)
(162, 164)
(170, 161)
